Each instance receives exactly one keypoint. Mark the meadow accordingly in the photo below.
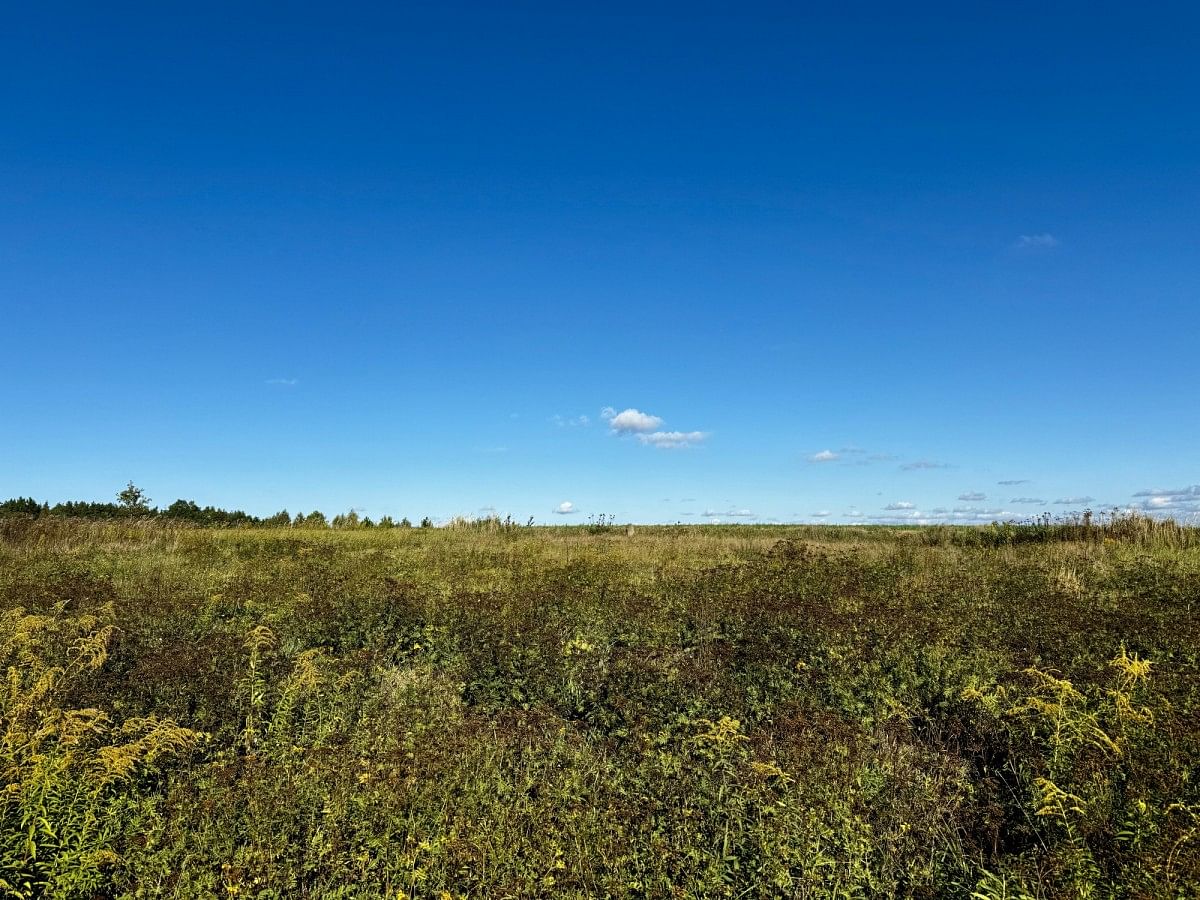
(701, 712)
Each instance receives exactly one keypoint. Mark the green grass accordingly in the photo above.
(536, 712)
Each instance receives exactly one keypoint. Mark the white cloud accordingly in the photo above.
(823, 456)
(1013, 481)
(1074, 501)
(821, 514)
(1042, 241)
(670, 440)
(898, 518)
(630, 421)
(963, 515)
(1181, 504)
(901, 504)
(284, 382)
(972, 496)
(571, 421)
(1191, 491)
(566, 508)
(732, 512)
(1028, 500)
(924, 464)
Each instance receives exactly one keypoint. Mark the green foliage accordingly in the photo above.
(69, 774)
(23, 506)
(133, 500)
(496, 711)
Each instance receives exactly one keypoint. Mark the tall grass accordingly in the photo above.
(742, 711)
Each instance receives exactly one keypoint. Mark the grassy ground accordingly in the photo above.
(684, 712)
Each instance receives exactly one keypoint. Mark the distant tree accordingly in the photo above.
(427, 522)
(315, 519)
(190, 511)
(404, 523)
(298, 521)
(366, 522)
(23, 506)
(133, 500)
(386, 522)
(184, 509)
(281, 519)
(83, 509)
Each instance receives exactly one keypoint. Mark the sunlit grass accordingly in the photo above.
(527, 712)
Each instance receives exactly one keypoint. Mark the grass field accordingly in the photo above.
(536, 712)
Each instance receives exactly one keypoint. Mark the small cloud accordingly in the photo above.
(972, 496)
(732, 513)
(566, 508)
(671, 440)
(1074, 501)
(571, 421)
(901, 504)
(1042, 241)
(923, 464)
(1038, 500)
(900, 518)
(284, 382)
(1011, 482)
(822, 514)
(823, 456)
(1191, 491)
(1178, 503)
(630, 421)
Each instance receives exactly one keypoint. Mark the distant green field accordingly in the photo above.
(572, 712)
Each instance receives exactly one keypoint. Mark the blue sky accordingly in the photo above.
(852, 262)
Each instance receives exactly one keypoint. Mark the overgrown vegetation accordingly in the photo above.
(579, 712)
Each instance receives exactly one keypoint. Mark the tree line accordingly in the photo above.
(132, 502)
